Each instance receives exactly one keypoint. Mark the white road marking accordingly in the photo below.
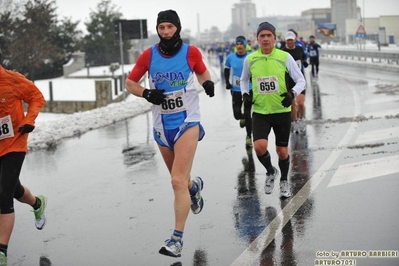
(380, 100)
(378, 135)
(359, 171)
(382, 113)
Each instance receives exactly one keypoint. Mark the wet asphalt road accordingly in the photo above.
(110, 199)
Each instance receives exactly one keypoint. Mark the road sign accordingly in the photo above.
(131, 29)
(361, 32)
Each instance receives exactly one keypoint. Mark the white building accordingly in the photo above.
(341, 10)
(242, 13)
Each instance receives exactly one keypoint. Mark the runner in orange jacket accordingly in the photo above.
(14, 126)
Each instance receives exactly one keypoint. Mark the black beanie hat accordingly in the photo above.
(266, 26)
(172, 45)
(169, 16)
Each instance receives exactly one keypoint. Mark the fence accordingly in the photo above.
(78, 95)
(373, 56)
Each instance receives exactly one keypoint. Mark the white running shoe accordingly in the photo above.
(172, 247)
(295, 127)
(285, 190)
(197, 202)
(301, 126)
(269, 182)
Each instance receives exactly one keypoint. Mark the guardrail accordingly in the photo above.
(374, 56)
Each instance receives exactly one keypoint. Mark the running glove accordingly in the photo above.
(228, 86)
(288, 97)
(209, 87)
(26, 129)
(305, 64)
(247, 99)
(154, 96)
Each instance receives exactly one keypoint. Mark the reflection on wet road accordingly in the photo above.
(249, 218)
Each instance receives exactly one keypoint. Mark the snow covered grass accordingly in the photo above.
(51, 128)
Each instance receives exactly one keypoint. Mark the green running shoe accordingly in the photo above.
(3, 259)
(242, 123)
(40, 218)
(248, 142)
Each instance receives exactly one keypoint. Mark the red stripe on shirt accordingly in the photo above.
(143, 63)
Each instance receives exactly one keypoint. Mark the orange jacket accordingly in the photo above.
(15, 88)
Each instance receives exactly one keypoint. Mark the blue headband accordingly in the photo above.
(242, 40)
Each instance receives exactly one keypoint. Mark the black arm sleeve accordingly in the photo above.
(227, 75)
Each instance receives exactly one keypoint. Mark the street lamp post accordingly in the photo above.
(364, 19)
(364, 27)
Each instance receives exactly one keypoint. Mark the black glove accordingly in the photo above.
(26, 129)
(209, 87)
(247, 99)
(228, 86)
(305, 64)
(154, 96)
(288, 97)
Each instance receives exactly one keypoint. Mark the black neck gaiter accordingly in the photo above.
(171, 46)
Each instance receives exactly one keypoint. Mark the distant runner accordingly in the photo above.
(232, 75)
(313, 49)
(298, 104)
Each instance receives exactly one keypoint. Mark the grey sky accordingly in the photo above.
(211, 13)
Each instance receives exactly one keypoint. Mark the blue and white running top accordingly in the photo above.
(234, 62)
(182, 101)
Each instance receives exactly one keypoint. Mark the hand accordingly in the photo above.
(305, 64)
(288, 97)
(154, 96)
(247, 99)
(228, 86)
(26, 129)
(209, 87)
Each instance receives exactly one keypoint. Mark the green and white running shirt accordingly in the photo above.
(269, 75)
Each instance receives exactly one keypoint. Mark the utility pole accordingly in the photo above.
(364, 18)
(364, 26)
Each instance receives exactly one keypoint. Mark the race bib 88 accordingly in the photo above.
(6, 130)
